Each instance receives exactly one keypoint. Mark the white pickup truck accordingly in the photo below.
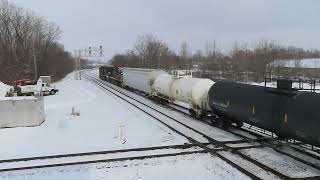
(31, 90)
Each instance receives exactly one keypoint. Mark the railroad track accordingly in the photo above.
(39, 162)
(261, 139)
(235, 151)
(264, 137)
(249, 129)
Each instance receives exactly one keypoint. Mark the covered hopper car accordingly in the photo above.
(140, 79)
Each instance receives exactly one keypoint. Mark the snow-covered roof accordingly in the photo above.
(297, 63)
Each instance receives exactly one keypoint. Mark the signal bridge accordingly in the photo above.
(85, 53)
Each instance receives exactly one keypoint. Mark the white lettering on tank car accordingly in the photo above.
(221, 106)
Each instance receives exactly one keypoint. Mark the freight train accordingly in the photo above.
(289, 113)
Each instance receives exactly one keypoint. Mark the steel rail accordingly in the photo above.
(103, 85)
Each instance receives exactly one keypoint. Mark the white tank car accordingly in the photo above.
(140, 79)
(193, 91)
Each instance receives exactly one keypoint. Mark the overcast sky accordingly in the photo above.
(116, 24)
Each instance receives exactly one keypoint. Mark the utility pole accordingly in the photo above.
(35, 62)
(77, 64)
(85, 53)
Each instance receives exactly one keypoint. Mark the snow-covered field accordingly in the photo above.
(96, 129)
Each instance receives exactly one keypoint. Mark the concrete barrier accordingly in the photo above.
(21, 112)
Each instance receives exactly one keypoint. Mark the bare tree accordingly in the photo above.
(149, 50)
(25, 41)
(211, 49)
(244, 62)
(185, 54)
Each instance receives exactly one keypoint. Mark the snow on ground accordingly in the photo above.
(95, 129)
(3, 89)
(213, 132)
(281, 163)
(188, 167)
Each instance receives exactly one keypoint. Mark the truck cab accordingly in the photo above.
(49, 90)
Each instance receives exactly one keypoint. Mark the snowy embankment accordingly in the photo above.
(101, 114)
(96, 128)
(3, 89)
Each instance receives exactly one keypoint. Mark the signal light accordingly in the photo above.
(101, 51)
(90, 50)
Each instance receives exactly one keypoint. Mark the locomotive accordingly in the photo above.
(111, 74)
(289, 113)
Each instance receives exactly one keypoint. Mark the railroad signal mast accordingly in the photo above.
(85, 53)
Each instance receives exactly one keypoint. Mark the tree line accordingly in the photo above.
(29, 44)
(241, 63)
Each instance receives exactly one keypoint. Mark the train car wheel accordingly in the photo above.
(220, 123)
(212, 122)
(225, 124)
(162, 102)
(239, 124)
(200, 116)
(193, 113)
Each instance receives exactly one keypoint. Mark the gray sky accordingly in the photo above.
(116, 24)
